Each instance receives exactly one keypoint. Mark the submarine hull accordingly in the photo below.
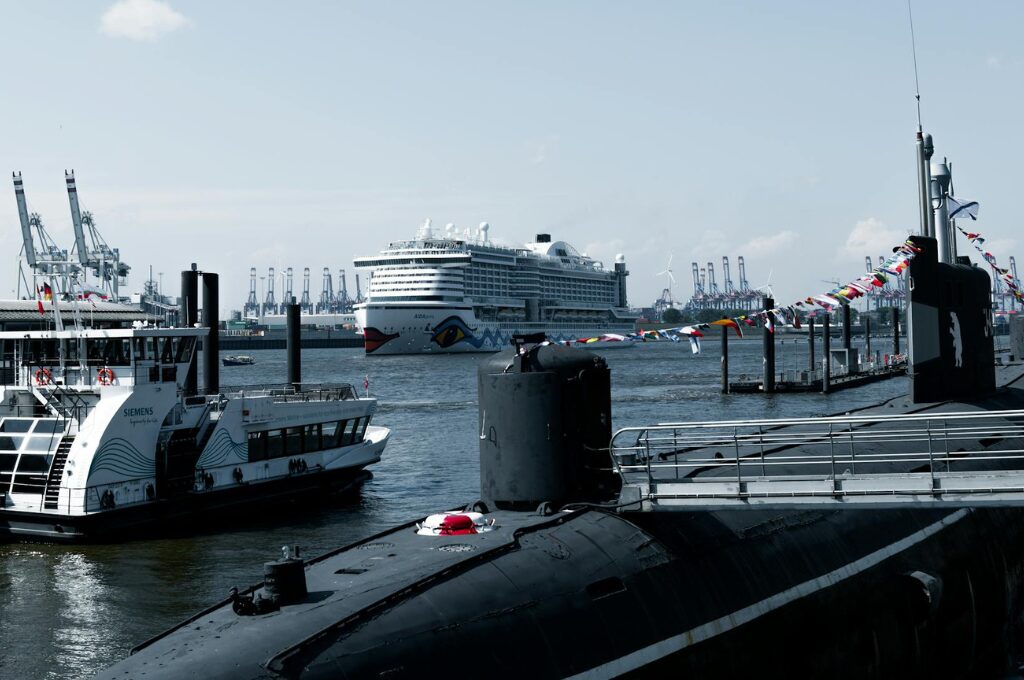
(594, 594)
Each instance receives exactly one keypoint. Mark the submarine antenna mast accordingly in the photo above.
(924, 146)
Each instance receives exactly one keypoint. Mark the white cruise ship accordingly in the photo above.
(459, 292)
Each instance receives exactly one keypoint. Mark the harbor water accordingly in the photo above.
(68, 611)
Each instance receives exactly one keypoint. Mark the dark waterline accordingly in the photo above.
(67, 612)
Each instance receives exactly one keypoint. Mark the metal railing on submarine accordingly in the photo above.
(949, 459)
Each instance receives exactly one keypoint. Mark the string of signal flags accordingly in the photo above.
(892, 266)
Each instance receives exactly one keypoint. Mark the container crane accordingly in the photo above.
(252, 305)
(729, 289)
(47, 261)
(698, 298)
(746, 293)
(305, 303)
(359, 293)
(95, 255)
(326, 294)
(713, 290)
(269, 303)
(289, 289)
(344, 302)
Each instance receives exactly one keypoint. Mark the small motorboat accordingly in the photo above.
(240, 360)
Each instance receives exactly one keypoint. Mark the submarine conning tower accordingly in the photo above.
(949, 314)
(545, 424)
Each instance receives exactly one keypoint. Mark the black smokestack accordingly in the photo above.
(189, 318)
(293, 344)
(211, 345)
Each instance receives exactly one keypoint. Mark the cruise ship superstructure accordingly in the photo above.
(460, 292)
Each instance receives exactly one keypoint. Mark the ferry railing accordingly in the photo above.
(842, 456)
(293, 392)
(89, 499)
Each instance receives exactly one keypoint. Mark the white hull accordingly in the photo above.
(448, 330)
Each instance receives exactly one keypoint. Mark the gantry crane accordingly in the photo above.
(289, 294)
(95, 255)
(729, 290)
(326, 294)
(305, 303)
(252, 305)
(49, 263)
(269, 303)
(344, 302)
(712, 288)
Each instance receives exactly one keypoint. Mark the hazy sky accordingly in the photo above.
(304, 134)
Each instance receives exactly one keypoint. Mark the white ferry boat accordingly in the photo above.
(99, 436)
(462, 293)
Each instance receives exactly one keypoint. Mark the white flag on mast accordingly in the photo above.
(959, 210)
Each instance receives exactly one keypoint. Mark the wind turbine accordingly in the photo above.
(767, 287)
(671, 280)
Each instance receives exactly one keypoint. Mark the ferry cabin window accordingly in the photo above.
(117, 352)
(293, 441)
(257, 446)
(313, 439)
(330, 435)
(70, 350)
(361, 431)
(7, 461)
(108, 352)
(185, 347)
(275, 444)
(42, 352)
(140, 349)
(350, 430)
(15, 425)
(169, 349)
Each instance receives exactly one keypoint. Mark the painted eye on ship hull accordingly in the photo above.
(450, 331)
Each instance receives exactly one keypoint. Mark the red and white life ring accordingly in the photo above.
(105, 376)
(43, 376)
(455, 524)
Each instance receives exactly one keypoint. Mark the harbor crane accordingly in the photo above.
(730, 295)
(289, 289)
(359, 292)
(305, 303)
(697, 301)
(269, 303)
(344, 302)
(95, 255)
(748, 295)
(48, 262)
(326, 294)
(712, 289)
(252, 305)
(729, 290)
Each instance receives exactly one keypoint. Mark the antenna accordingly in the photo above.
(913, 49)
